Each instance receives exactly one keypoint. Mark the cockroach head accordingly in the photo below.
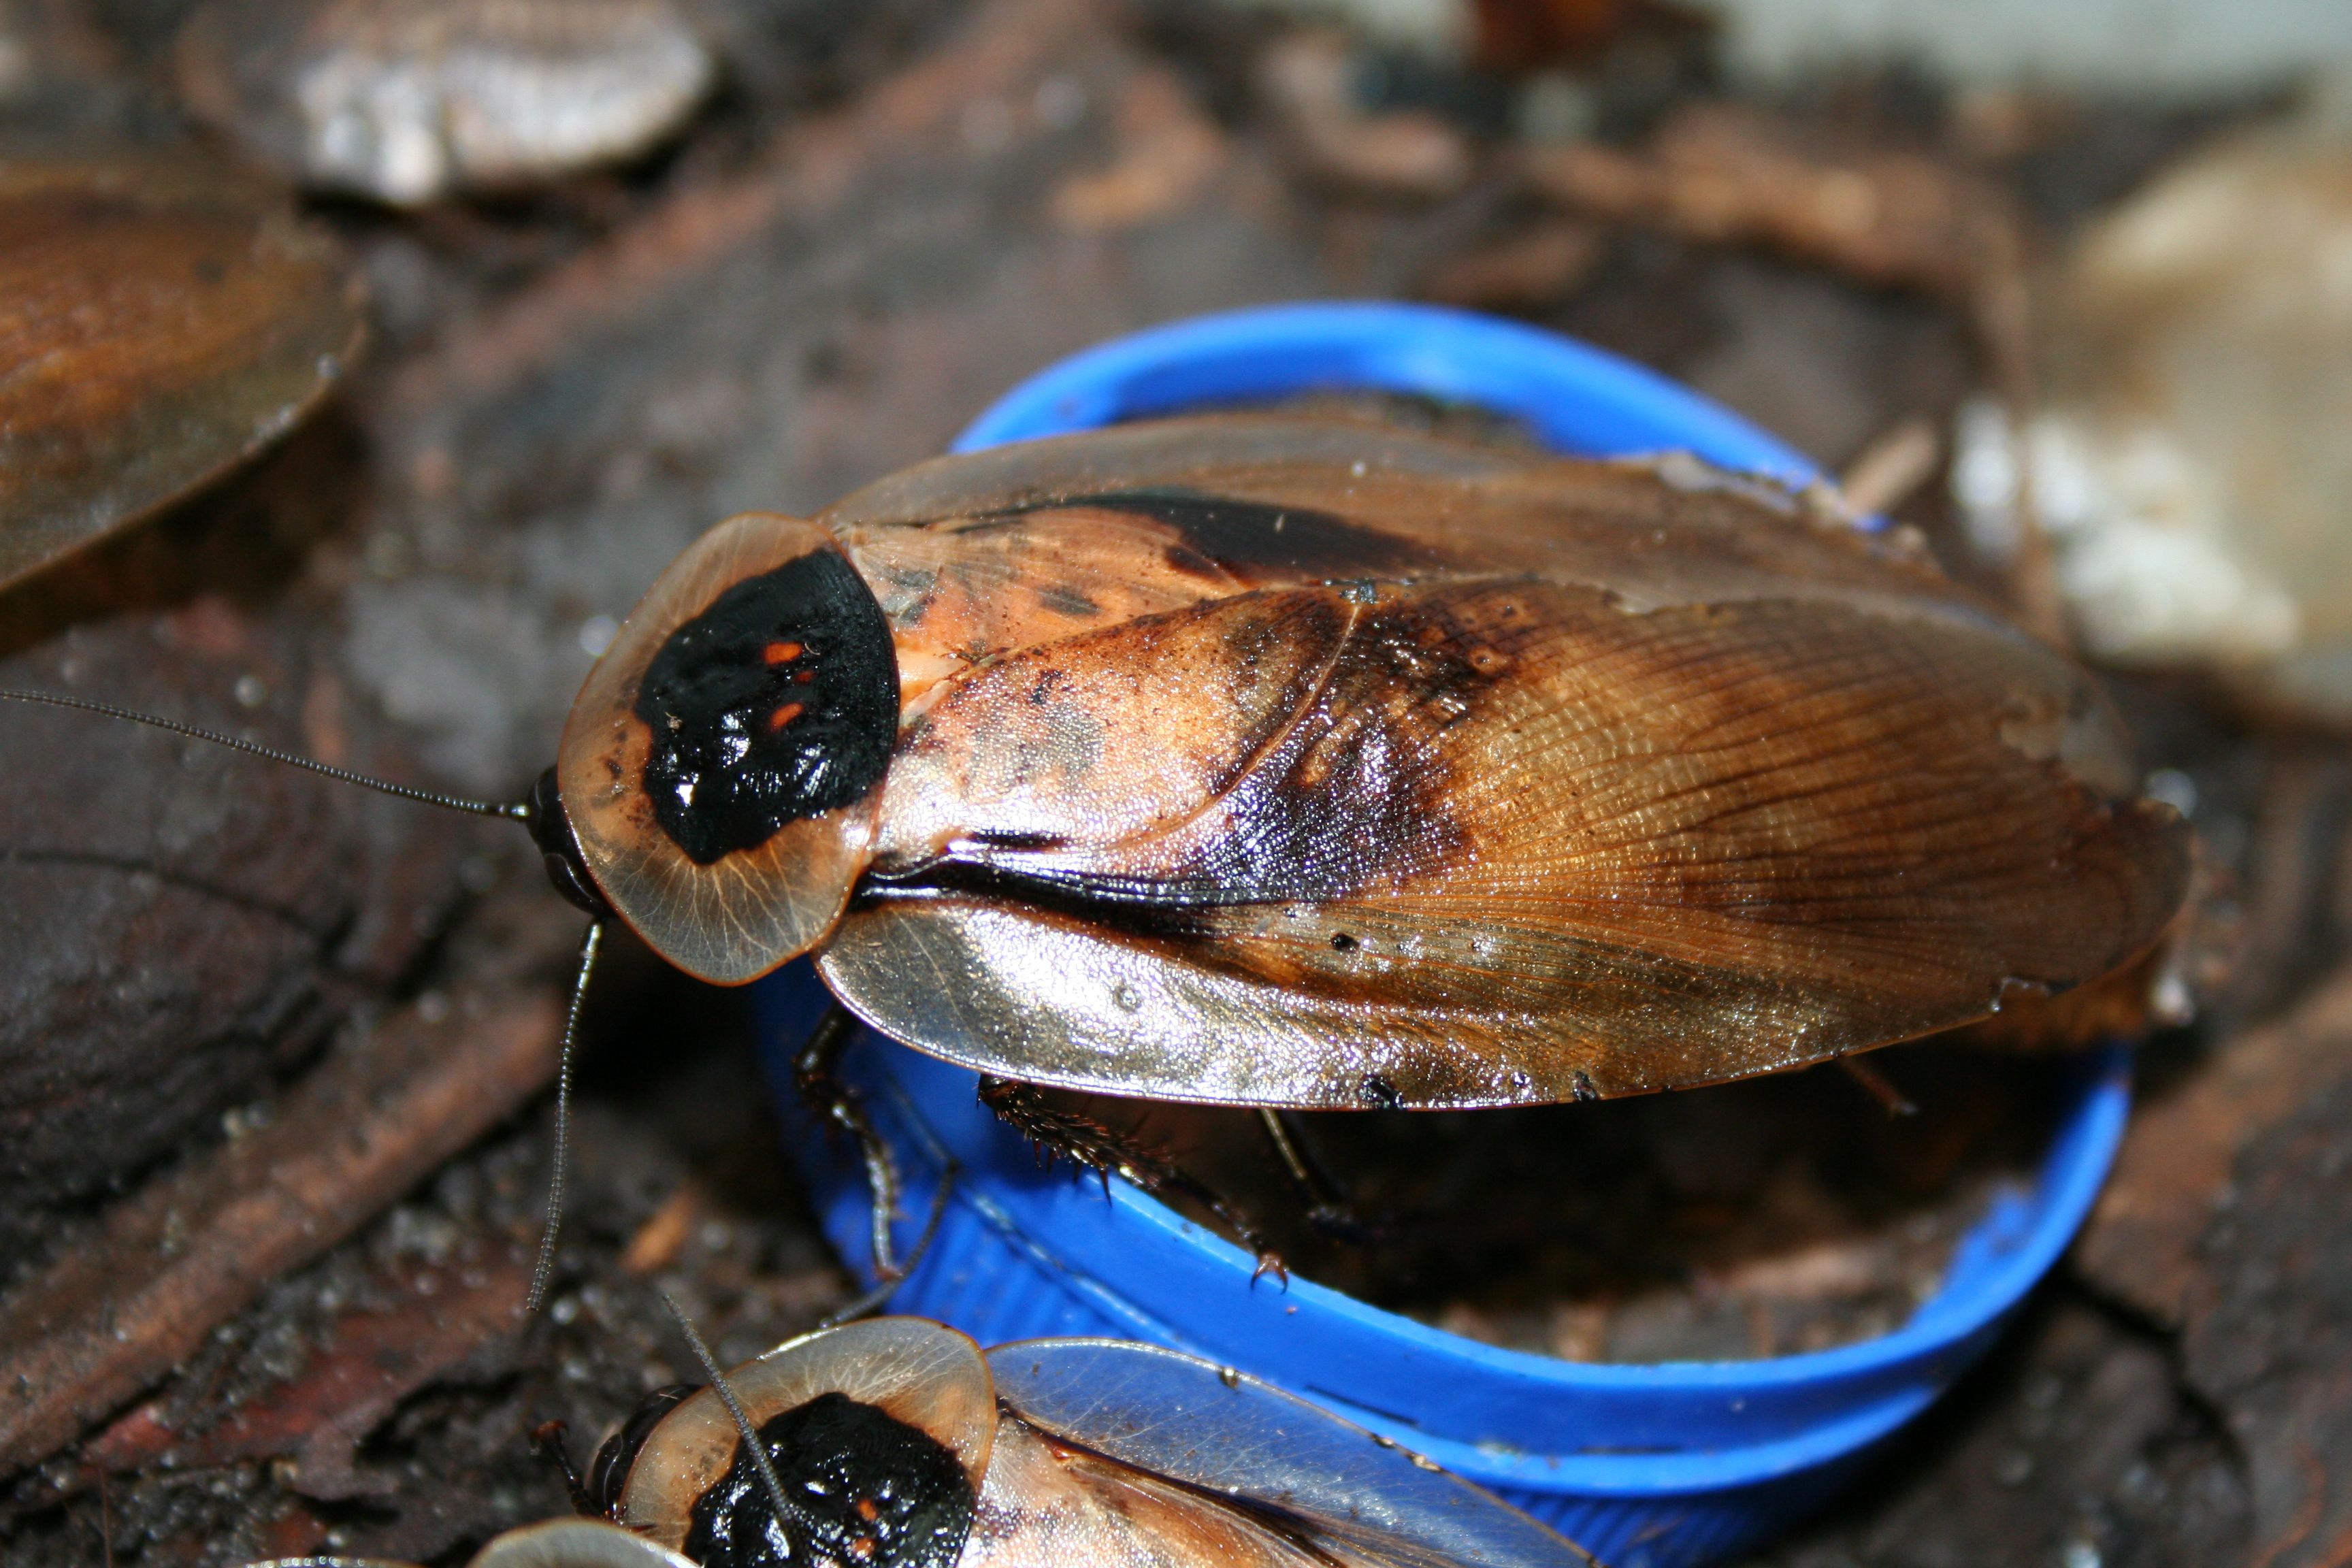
(559, 846)
(719, 773)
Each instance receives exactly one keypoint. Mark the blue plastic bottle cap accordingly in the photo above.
(1648, 1467)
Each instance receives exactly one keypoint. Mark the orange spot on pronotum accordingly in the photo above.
(780, 652)
(783, 716)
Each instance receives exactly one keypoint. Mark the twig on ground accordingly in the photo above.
(193, 1248)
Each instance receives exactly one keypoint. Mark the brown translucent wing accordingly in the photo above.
(1049, 1504)
(916, 1371)
(737, 918)
(977, 555)
(1046, 539)
(1493, 837)
(1331, 1485)
(158, 322)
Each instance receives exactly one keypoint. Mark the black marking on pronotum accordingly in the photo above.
(862, 1487)
(778, 702)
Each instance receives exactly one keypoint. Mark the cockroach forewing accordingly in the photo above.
(1046, 1505)
(1352, 1496)
(162, 321)
(1632, 787)
(1079, 532)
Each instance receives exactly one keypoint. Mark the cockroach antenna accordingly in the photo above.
(726, 1392)
(541, 812)
(592, 941)
(511, 811)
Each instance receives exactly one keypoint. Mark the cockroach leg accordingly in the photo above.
(547, 1443)
(1089, 1145)
(1322, 1195)
(1881, 1088)
(817, 1073)
(889, 1287)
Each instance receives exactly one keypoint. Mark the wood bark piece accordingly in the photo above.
(196, 1246)
(2175, 1171)
(1721, 175)
(370, 1363)
(183, 925)
(2268, 1338)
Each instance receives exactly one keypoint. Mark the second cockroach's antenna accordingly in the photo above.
(751, 1436)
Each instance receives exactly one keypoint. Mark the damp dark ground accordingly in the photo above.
(885, 216)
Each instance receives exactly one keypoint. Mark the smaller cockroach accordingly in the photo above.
(898, 1443)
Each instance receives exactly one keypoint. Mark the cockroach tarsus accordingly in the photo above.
(1486, 778)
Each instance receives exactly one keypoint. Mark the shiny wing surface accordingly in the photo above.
(1491, 838)
(1345, 1491)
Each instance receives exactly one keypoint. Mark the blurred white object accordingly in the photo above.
(2192, 467)
(2187, 48)
(2137, 533)
(406, 101)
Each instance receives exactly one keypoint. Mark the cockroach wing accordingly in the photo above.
(914, 1371)
(159, 322)
(1538, 819)
(1353, 1496)
(718, 763)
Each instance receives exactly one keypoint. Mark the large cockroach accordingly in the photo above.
(1269, 761)
(1277, 762)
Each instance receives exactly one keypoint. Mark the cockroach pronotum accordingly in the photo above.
(1288, 763)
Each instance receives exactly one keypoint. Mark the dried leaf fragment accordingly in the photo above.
(1406, 154)
(158, 322)
(1723, 174)
(408, 100)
